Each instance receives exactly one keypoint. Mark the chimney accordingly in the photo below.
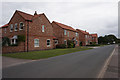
(35, 13)
(85, 30)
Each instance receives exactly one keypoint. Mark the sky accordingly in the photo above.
(94, 16)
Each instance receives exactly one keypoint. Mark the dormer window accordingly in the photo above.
(16, 27)
(43, 28)
(11, 27)
(21, 25)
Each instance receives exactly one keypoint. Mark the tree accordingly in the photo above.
(107, 39)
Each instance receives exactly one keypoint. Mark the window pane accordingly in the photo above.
(42, 28)
(68, 34)
(65, 42)
(48, 42)
(21, 25)
(64, 32)
(16, 26)
(11, 27)
(36, 42)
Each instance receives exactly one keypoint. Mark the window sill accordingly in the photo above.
(20, 29)
(36, 46)
(48, 45)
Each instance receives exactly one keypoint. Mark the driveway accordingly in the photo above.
(7, 61)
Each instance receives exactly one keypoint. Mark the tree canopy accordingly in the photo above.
(107, 39)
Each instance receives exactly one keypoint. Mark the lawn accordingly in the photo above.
(44, 54)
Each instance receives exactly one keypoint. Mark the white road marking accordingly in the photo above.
(102, 72)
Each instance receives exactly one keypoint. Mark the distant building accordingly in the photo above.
(95, 38)
(83, 37)
(86, 39)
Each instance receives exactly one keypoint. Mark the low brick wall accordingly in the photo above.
(12, 49)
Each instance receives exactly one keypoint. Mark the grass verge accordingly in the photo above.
(44, 54)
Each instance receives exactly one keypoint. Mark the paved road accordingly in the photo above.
(83, 64)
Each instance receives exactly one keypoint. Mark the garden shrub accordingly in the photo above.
(5, 41)
(70, 44)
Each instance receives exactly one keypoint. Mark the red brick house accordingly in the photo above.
(36, 29)
(95, 38)
(84, 37)
(63, 33)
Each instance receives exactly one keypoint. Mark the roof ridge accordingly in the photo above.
(24, 12)
(65, 26)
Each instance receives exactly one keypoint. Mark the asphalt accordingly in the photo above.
(8, 61)
(83, 64)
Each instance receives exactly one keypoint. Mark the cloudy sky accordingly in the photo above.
(94, 16)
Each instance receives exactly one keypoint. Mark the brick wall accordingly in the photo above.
(82, 38)
(59, 33)
(35, 31)
(12, 49)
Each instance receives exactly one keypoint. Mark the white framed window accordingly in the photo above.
(12, 41)
(65, 42)
(56, 41)
(86, 36)
(11, 27)
(76, 34)
(5, 30)
(36, 42)
(16, 27)
(48, 42)
(68, 34)
(21, 25)
(43, 28)
(76, 42)
(64, 32)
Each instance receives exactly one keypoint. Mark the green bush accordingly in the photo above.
(5, 40)
(80, 44)
(70, 44)
(61, 46)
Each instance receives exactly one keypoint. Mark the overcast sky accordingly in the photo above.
(95, 16)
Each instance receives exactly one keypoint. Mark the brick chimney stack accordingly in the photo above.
(35, 13)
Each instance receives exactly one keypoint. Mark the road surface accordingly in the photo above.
(82, 64)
